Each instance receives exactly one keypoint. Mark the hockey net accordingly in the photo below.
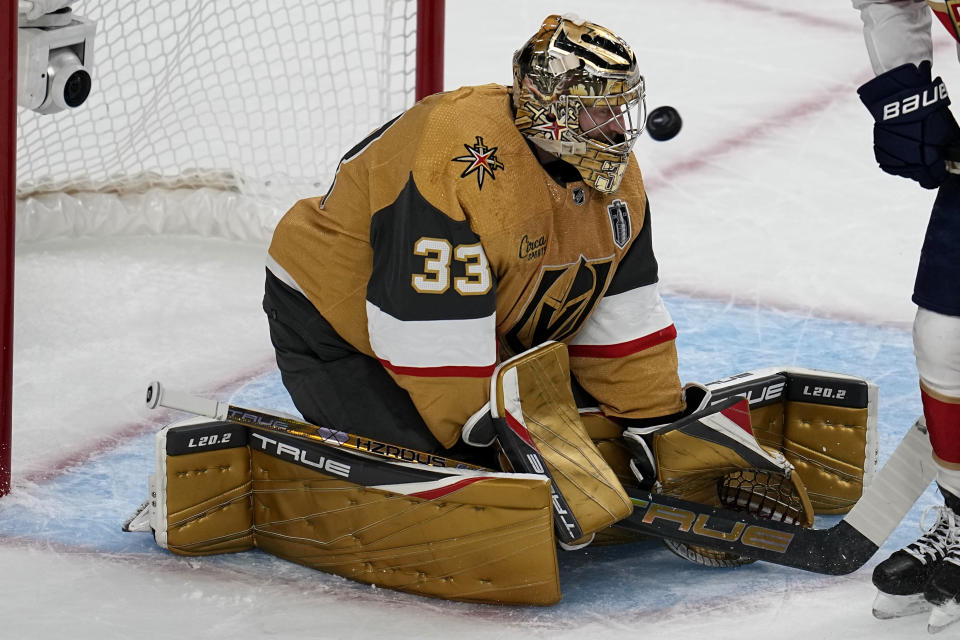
(254, 98)
(212, 118)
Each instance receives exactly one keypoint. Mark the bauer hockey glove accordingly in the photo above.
(913, 123)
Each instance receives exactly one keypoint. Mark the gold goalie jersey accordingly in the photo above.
(443, 245)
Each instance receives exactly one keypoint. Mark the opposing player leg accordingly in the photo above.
(917, 577)
(926, 573)
(937, 345)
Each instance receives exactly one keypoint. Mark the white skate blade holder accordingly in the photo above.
(887, 606)
(942, 616)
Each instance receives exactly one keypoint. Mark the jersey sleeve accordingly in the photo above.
(431, 310)
(625, 356)
(896, 33)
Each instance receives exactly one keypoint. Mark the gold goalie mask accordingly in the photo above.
(578, 94)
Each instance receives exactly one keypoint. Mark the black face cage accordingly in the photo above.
(764, 494)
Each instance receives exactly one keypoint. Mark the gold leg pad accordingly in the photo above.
(490, 541)
(208, 498)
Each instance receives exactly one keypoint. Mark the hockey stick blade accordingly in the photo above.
(159, 396)
(838, 550)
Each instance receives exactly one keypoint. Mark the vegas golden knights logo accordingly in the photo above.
(564, 298)
(482, 160)
(620, 221)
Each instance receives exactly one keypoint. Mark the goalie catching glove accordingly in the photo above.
(710, 456)
(822, 423)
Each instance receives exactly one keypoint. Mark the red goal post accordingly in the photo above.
(250, 97)
(8, 183)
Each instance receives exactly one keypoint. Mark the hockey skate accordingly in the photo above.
(903, 580)
(943, 589)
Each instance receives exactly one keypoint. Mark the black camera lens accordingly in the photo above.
(77, 88)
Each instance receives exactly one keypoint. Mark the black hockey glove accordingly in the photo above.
(913, 123)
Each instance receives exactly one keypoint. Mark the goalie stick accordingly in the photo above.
(159, 396)
(837, 550)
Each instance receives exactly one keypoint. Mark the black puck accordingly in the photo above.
(663, 123)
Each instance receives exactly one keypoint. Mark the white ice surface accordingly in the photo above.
(769, 197)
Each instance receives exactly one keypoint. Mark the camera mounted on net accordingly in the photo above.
(54, 55)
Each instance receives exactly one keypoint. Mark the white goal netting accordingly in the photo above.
(252, 99)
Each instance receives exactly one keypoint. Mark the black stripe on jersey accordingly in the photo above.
(639, 267)
(394, 232)
(355, 150)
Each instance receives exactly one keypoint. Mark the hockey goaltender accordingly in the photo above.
(469, 322)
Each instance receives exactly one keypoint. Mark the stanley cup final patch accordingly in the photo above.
(620, 222)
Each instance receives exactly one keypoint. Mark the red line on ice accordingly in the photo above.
(107, 443)
(807, 19)
(746, 136)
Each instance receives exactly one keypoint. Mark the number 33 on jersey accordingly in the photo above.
(444, 245)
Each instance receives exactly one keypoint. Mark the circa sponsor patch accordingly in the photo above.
(531, 249)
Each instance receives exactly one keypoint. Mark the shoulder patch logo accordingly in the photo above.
(578, 196)
(620, 222)
(482, 161)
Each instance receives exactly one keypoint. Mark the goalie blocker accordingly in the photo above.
(534, 419)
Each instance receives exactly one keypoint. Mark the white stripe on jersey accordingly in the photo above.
(274, 267)
(624, 317)
(432, 343)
